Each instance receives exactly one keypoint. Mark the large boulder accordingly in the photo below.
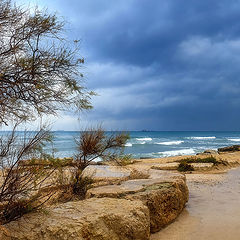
(92, 219)
(127, 210)
(165, 202)
(164, 196)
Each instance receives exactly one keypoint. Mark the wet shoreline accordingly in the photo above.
(212, 212)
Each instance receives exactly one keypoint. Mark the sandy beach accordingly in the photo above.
(212, 211)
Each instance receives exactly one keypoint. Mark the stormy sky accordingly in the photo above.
(156, 64)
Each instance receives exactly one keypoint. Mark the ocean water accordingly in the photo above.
(156, 144)
(151, 144)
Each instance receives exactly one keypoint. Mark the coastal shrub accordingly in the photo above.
(39, 75)
(75, 190)
(93, 144)
(81, 185)
(49, 162)
(20, 208)
(209, 159)
(124, 160)
(185, 167)
(39, 68)
(21, 184)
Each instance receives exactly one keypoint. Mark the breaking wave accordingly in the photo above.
(144, 139)
(188, 151)
(128, 145)
(201, 138)
(170, 143)
(234, 139)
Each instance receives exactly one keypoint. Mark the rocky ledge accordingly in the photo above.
(130, 210)
(233, 148)
(165, 195)
(98, 219)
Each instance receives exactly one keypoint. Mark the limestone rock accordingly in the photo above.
(166, 166)
(165, 175)
(4, 233)
(92, 219)
(233, 148)
(210, 151)
(165, 197)
(201, 166)
(106, 172)
(165, 202)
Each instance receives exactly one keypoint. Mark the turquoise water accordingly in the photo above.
(152, 144)
(156, 144)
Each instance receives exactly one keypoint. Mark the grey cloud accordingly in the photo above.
(163, 65)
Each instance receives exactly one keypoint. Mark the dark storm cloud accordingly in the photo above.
(144, 32)
(162, 65)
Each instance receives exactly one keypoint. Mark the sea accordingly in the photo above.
(154, 144)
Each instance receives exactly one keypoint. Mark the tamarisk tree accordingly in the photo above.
(39, 69)
(93, 144)
(39, 75)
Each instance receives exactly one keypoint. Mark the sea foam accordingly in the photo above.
(128, 145)
(178, 152)
(234, 139)
(170, 143)
(201, 138)
(144, 139)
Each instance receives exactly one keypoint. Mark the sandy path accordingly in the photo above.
(213, 210)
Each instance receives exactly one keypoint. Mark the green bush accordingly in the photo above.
(209, 159)
(185, 167)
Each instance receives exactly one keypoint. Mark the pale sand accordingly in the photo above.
(230, 157)
(213, 210)
(233, 160)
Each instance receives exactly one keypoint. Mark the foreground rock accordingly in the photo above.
(165, 195)
(92, 219)
(130, 209)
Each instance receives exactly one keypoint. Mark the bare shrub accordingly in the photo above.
(124, 160)
(39, 75)
(21, 186)
(93, 144)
